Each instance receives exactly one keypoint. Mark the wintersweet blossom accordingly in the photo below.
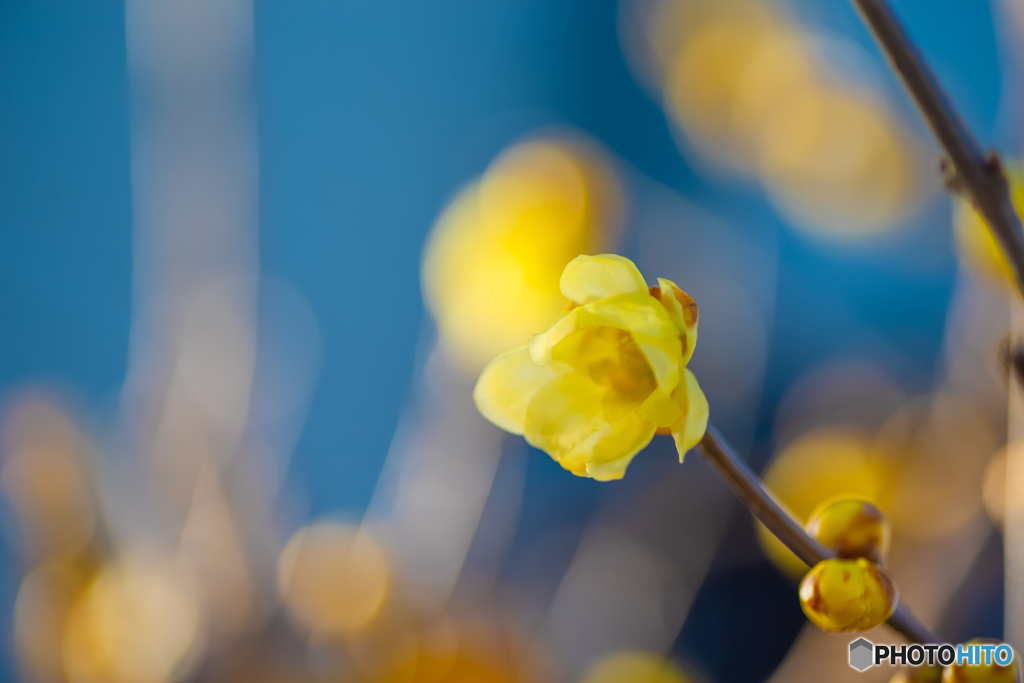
(609, 373)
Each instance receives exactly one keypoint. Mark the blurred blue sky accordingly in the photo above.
(371, 115)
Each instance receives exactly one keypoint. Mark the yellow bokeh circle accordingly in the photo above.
(635, 666)
(823, 464)
(332, 578)
(138, 622)
(492, 264)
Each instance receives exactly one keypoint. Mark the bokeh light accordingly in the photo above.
(755, 93)
(823, 464)
(492, 265)
(46, 596)
(839, 163)
(943, 444)
(995, 485)
(136, 623)
(332, 578)
(635, 666)
(45, 476)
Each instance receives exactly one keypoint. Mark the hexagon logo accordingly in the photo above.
(861, 654)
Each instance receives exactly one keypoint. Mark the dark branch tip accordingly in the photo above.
(994, 163)
(952, 181)
(1011, 358)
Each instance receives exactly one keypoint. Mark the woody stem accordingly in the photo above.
(749, 488)
(975, 174)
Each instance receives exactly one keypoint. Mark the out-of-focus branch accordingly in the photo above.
(751, 491)
(974, 174)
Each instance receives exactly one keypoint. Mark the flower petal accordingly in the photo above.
(638, 312)
(564, 414)
(507, 386)
(683, 311)
(617, 447)
(665, 357)
(660, 409)
(588, 278)
(689, 429)
(540, 344)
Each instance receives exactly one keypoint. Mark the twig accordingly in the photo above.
(975, 174)
(751, 491)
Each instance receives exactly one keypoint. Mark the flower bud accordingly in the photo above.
(918, 674)
(847, 595)
(851, 528)
(981, 673)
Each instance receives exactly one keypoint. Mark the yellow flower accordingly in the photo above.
(594, 388)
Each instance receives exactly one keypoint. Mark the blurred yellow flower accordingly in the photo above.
(839, 162)
(138, 622)
(333, 578)
(711, 89)
(492, 263)
(46, 478)
(47, 594)
(753, 92)
(472, 647)
(976, 242)
(635, 666)
(918, 674)
(593, 389)
(983, 672)
(820, 465)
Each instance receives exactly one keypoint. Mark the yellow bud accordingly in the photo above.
(918, 674)
(981, 673)
(847, 595)
(851, 528)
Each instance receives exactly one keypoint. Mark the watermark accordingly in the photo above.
(865, 654)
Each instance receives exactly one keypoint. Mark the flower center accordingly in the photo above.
(612, 359)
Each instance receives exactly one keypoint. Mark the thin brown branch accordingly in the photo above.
(751, 491)
(975, 174)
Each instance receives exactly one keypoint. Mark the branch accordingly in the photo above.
(751, 491)
(978, 176)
